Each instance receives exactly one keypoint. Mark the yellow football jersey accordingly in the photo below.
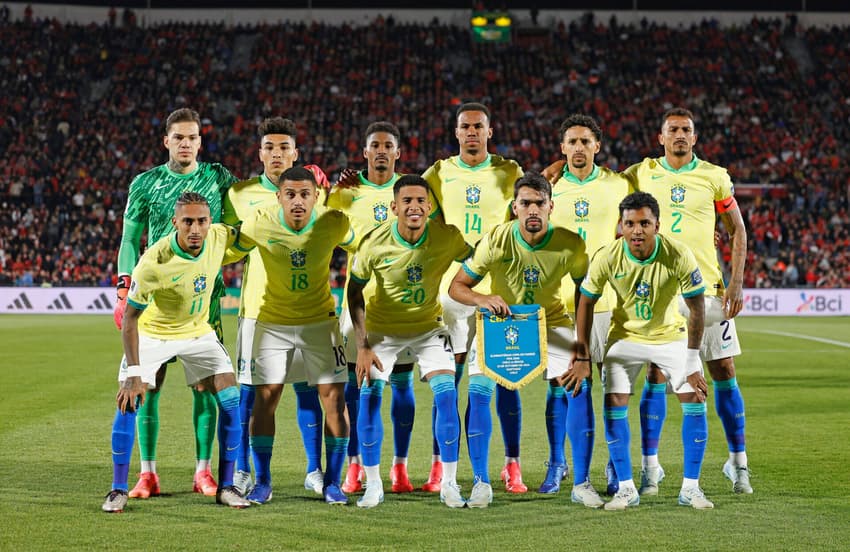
(475, 199)
(526, 274)
(646, 309)
(297, 263)
(686, 198)
(174, 288)
(407, 276)
(590, 208)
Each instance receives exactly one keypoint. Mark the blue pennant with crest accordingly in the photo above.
(512, 349)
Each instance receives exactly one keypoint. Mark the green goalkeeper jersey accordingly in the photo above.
(153, 195)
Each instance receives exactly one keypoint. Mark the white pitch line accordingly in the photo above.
(808, 337)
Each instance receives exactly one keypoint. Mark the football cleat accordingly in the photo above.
(450, 495)
(204, 483)
(334, 495)
(611, 476)
(315, 480)
(400, 481)
(243, 482)
(229, 496)
(694, 497)
(435, 478)
(554, 475)
(625, 498)
(585, 494)
(115, 501)
(739, 476)
(649, 479)
(373, 496)
(261, 493)
(481, 495)
(147, 486)
(353, 478)
(512, 476)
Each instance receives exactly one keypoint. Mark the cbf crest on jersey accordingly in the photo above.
(200, 283)
(530, 276)
(677, 193)
(643, 289)
(473, 194)
(298, 258)
(380, 212)
(414, 274)
(582, 207)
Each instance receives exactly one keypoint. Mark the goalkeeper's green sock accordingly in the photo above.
(147, 423)
(204, 411)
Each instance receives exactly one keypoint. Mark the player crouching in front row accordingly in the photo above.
(167, 309)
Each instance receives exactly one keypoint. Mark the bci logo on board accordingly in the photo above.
(812, 302)
(761, 303)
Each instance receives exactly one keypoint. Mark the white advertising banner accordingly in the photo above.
(757, 302)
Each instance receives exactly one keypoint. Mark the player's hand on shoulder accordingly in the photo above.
(553, 172)
(348, 178)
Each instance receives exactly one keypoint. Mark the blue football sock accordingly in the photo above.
(261, 450)
(581, 428)
(335, 450)
(352, 401)
(123, 435)
(246, 407)
(694, 438)
(730, 407)
(370, 423)
(653, 412)
(402, 411)
(229, 433)
(556, 424)
(479, 426)
(309, 417)
(509, 409)
(448, 426)
(617, 435)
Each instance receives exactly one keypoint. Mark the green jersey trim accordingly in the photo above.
(651, 258)
(358, 280)
(282, 221)
(694, 293)
(570, 177)
(518, 236)
(471, 273)
(687, 168)
(181, 175)
(182, 254)
(588, 294)
(482, 165)
(366, 182)
(404, 242)
(137, 306)
(266, 183)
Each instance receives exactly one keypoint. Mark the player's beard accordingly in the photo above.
(580, 164)
(533, 225)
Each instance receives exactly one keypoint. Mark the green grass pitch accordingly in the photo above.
(57, 404)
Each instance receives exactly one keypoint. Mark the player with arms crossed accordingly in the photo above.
(296, 243)
(277, 152)
(647, 271)
(527, 259)
(366, 198)
(407, 258)
(474, 191)
(586, 198)
(151, 205)
(691, 193)
(166, 316)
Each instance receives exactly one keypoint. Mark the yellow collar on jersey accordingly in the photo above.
(404, 242)
(296, 232)
(520, 240)
(570, 177)
(482, 165)
(182, 254)
(650, 259)
(689, 167)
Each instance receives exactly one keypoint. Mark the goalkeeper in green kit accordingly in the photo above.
(150, 205)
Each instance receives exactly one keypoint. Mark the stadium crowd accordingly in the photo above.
(82, 106)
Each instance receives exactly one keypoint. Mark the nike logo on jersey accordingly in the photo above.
(390, 261)
(657, 176)
(619, 276)
(273, 241)
(356, 198)
(558, 194)
(255, 202)
(175, 278)
(450, 179)
(160, 186)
